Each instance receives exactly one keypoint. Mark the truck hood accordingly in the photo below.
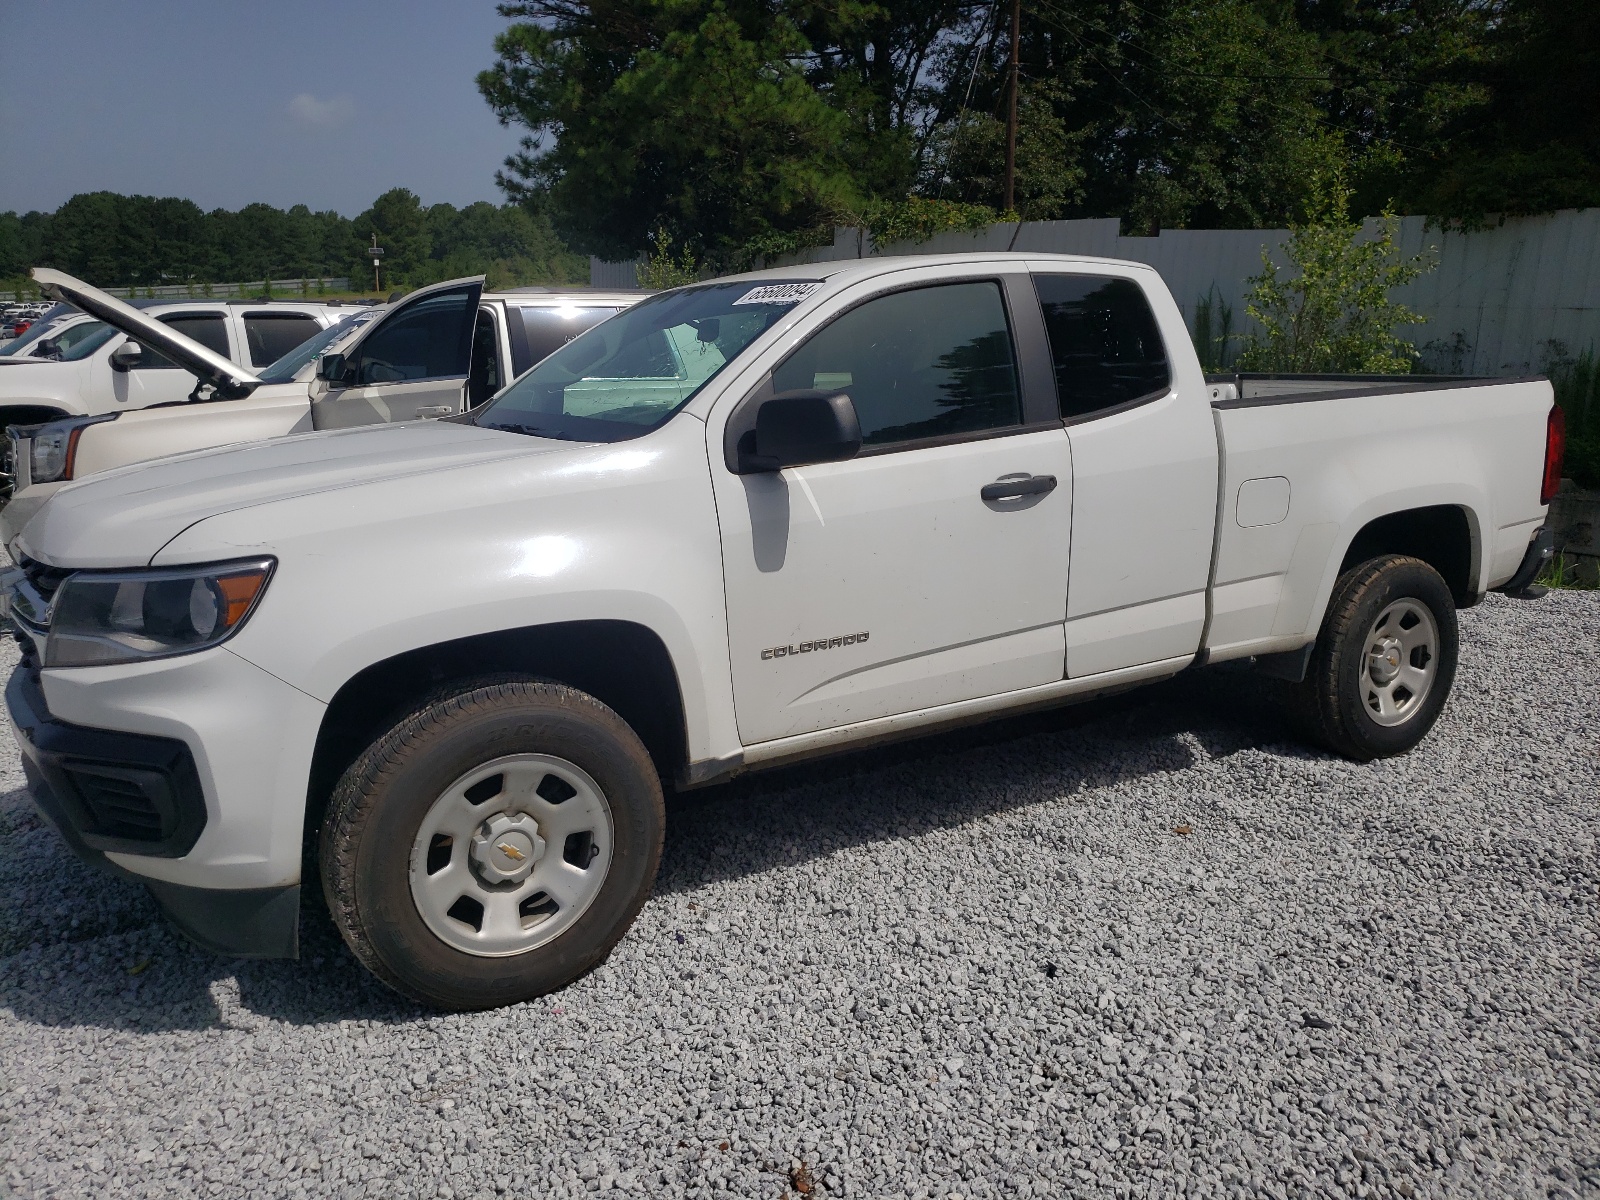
(231, 380)
(121, 518)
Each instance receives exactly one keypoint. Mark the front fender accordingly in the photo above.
(624, 532)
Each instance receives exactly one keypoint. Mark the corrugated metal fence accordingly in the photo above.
(1503, 300)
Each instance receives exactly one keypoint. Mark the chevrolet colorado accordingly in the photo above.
(450, 665)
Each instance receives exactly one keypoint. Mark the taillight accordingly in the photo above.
(1555, 446)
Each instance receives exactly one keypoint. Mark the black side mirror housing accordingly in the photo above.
(331, 368)
(127, 356)
(794, 429)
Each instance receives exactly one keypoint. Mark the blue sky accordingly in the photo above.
(225, 103)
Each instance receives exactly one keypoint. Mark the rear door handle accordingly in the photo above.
(434, 410)
(1014, 487)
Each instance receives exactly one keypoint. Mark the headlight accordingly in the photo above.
(50, 451)
(52, 457)
(126, 616)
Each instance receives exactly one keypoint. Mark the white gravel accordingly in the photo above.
(977, 965)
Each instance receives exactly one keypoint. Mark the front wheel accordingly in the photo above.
(494, 845)
(1384, 661)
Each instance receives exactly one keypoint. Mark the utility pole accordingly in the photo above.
(375, 252)
(1011, 108)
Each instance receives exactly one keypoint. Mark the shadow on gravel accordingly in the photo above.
(80, 947)
(790, 814)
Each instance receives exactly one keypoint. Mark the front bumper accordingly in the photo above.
(187, 775)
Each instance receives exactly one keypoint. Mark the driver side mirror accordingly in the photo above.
(794, 429)
(332, 368)
(127, 356)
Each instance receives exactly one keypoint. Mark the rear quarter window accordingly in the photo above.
(1104, 343)
(271, 335)
(548, 329)
(209, 329)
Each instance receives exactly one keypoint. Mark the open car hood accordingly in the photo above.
(231, 380)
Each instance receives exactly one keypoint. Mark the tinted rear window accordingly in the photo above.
(1104, 341)
(211, 331)
(549, 329)
(272, 335)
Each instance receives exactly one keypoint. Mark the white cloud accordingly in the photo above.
(324, 114)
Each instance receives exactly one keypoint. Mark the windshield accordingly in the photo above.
(285, 369)
(85, 340)
(627, 375)
(53, 319)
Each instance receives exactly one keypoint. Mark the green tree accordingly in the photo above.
(1530, 140)
(1164, 113)
(1335, 314)
(733, 126)
(511, 244)
(401, 225)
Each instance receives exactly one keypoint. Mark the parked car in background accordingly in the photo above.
(441, 350)
(56, 316)
(75, 364)
(742, 523)
(17, 319)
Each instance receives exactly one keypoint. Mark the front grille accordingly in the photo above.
(45, 579)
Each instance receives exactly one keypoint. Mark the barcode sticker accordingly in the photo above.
(778, 293)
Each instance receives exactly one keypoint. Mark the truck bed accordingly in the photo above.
(1309, 461)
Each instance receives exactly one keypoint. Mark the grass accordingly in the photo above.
(1213, 332)
(1562, 572)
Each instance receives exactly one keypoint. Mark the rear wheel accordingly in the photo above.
(494, 845)
(1384, 661)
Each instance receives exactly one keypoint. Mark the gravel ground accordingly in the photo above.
(988, 964)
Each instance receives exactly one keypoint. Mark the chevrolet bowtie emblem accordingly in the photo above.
(511, 852)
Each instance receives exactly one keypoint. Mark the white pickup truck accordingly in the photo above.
(439, 350)
(741, 523)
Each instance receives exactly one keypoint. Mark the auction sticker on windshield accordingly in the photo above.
(778, 293)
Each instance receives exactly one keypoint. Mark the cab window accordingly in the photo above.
(271, 335)
(1104, 342)
(930, 362)
(209, 329)
(548, 329)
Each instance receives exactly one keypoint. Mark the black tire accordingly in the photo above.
(1336, 700)
(377, 808)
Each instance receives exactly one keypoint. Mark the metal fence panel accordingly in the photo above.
(1509, 299)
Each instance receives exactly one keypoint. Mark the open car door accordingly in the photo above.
(411, 363)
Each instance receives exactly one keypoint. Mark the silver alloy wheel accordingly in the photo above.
(1399, 662)
(511, 855)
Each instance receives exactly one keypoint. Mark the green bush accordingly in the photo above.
(1335, 314)
(663, 269)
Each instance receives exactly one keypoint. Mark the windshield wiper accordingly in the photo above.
(531, 430)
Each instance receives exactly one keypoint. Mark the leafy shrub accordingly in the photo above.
(1335, 315)
(662, 269)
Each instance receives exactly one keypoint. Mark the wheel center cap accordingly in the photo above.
(1383, 662)
(506, 848)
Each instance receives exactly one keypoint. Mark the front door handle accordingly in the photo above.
(1014, 487)
(434, 410)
